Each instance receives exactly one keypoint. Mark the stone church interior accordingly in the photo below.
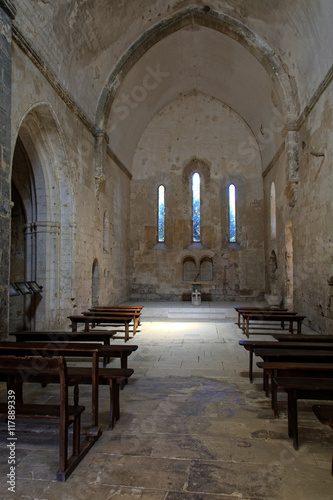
(176, 156)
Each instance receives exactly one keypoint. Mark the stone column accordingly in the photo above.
(7, 14)
(291, 143)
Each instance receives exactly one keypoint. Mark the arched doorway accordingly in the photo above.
(42, 222)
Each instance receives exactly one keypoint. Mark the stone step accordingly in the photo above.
(196, 315)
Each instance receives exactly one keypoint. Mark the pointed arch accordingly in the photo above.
(44, 186)
(207, 18)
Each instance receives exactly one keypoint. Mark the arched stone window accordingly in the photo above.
(273, 211)
(189, 269)
(232, 213)
(161, 214)
(196, 207)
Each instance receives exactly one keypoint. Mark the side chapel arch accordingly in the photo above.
(43, 184)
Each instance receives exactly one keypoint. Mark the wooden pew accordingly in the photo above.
(93, 319)
(315, 354)
(250, 345)
(324, 413)
(274, 369)
(302, 388)
(270, 317)
(287, 337)
(115, 378)
(240, 310)
(16, 370)
(121, 351)
(134, 315)
(52, 349)
(137, 309)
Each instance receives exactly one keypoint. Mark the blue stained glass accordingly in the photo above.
(232, 213)
(161, 214)
(196, 206)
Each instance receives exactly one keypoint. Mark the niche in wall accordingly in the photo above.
(189, 269)
(206, 269)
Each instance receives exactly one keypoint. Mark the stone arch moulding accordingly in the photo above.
(50, 216)
(208, 18)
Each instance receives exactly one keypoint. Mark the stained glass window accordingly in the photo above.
(232, 213)
(161, 214)
(196, 206)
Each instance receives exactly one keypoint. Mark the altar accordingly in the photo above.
(196, 294)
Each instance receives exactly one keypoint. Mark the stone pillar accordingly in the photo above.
(7, 14)
(101, 143)
(291, 143)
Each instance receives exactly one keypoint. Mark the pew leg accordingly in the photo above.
(114, 403)
(76, 395)
(76, 435)
(292, 417)
(251, 366)
(274, 397)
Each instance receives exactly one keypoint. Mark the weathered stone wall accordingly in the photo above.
(197, 134)
(313, 255)
(7, 13)
(304, 204)
(75, 257)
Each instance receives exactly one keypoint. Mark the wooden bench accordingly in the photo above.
(134, 315)
(250, 345)
(16, 370)
(287, 337)
(274, 369)
(93, 319)
(302, 388)
(240, 310)
(136, 309)
(53, 349)
(324, 413)
(108, 351)
(270, 317)
(115, 378)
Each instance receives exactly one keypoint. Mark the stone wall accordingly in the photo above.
(313, 216)
(304, 206)
(77, 217)
(7, 13)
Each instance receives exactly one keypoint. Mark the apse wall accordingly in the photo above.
(197, 133)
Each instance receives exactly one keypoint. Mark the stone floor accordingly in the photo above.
(192, 427)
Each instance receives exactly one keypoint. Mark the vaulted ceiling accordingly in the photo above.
(122, 62)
